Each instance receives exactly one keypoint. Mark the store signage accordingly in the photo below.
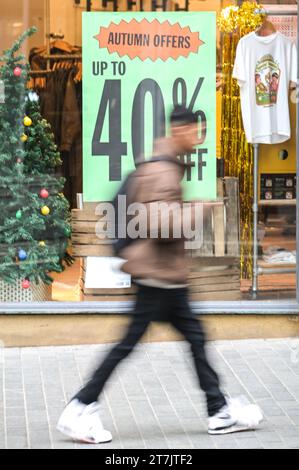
(278, 186)
(136, 66)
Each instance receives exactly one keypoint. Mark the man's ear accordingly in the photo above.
(179, 131)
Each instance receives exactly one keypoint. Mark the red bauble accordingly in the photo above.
(17, 71)
(25, 284)
(44, 193)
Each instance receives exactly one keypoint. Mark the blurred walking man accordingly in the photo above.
(159, 268)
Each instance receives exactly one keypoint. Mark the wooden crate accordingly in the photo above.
(215, 273)
(102, 294)
(215, 278)
(221, 223)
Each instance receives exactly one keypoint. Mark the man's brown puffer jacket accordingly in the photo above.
(161, 259)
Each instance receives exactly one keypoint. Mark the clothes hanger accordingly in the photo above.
(39, 50)
(266, 29)
(78, 76)
(62, 45)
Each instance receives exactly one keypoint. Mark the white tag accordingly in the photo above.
(2, 92)
(104, 272)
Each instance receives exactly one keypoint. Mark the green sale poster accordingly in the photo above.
(136, 67)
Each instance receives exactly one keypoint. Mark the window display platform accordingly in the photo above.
(66, 287)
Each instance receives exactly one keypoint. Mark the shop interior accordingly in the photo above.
(55, 57)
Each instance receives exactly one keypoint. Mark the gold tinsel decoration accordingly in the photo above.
(234, 22)
(227, 21)
(248, 19)
(242, 20)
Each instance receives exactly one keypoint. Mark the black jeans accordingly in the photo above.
(154, 304)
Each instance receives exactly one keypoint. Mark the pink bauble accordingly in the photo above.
(17, 71)
(44, 193)
(25, 284)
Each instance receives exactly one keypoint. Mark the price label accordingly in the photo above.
(105, 272)
(136, 67)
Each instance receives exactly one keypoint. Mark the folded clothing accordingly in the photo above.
(279, 255)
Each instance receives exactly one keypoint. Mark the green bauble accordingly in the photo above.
(19, 214)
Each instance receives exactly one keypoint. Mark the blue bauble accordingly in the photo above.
(22, 255)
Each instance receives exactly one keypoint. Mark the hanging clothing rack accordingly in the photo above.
(276, 12)
(256, 269)
(40, 72)
(63, 56)
(50, 57)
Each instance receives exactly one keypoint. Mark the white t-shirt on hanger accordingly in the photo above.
(264, 67)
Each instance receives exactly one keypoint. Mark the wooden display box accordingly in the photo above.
(215, 267)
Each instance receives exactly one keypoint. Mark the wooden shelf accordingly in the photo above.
(277, 202)
(278, 227)
(263, 264)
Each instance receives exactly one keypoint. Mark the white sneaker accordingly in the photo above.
(82, 423)
(221, 421)
(237, 415)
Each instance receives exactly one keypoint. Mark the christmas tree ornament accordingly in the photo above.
(44, 193)
(19, 160)
(24, 137)
(27, 121)
(22, 255)
(45, 210)
(33, 97)
(25, 284)
(18, 214)
(67, 231)
(42, 243)
(17, 71)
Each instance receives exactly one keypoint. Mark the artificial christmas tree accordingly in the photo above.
(34, 214)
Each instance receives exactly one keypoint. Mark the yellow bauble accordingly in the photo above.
(42, 243)
(24, 137)
(45, 210)
(27, 121)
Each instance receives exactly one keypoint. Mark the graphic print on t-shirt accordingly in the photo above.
(267, 74)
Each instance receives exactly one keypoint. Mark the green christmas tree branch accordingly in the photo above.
(9, 53)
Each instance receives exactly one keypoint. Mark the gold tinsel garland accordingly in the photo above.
(234, 22)
(243, 19)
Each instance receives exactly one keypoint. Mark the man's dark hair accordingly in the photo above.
(182, 116)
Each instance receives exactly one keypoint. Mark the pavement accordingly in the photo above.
(152, 400)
